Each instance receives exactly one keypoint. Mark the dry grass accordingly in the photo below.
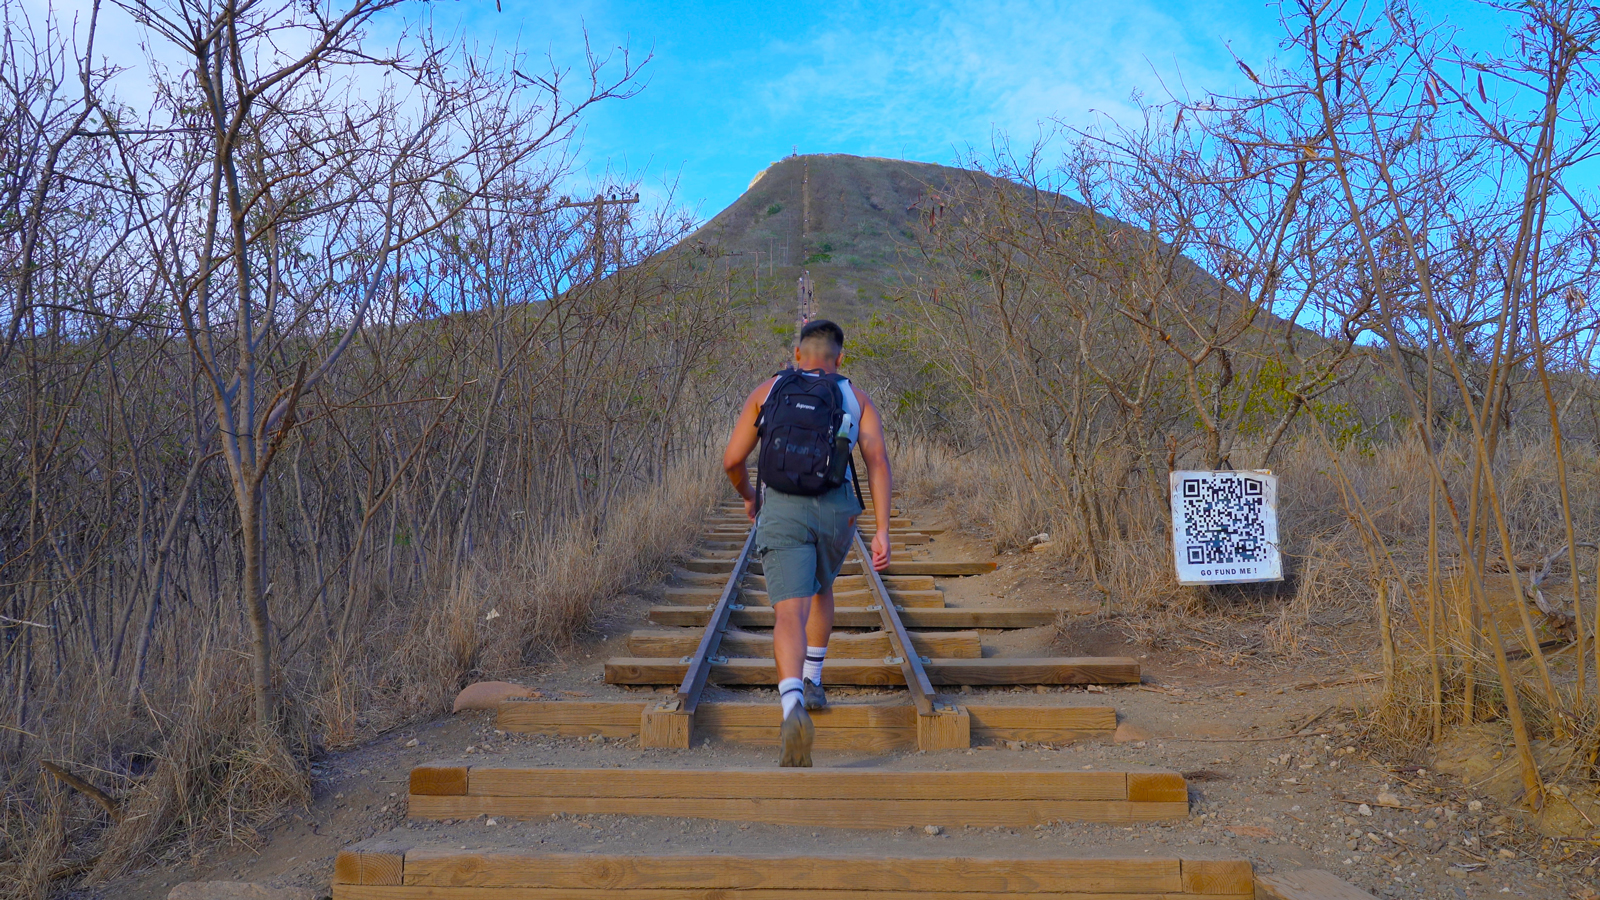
(1328, 601)
(188, 769)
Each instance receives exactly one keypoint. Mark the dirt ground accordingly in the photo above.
(1213, 705)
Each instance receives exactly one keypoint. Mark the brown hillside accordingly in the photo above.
(845, 219)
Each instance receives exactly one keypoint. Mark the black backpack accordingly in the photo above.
(802, 451)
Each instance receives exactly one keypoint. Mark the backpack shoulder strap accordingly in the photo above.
(856, 481)
(778, 380)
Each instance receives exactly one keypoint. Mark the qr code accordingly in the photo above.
(1222, 521)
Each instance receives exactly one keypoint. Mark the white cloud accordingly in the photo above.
(947, 75)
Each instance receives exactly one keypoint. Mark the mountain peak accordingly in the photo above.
(844, 219)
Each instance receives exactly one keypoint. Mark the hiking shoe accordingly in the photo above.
(795, 738)
(815, 698)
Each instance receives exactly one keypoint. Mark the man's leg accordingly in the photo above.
(789, 653)
(790, 631)
(819, 627)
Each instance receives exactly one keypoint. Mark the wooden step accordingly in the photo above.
(859, 582)
(841, 726)
(742, 528)
(735, 521)
(711, 563)
(756, 671)
(842, 583)
(848, 598)
(863, 617)
(931, 567)
(674, 642)
(378, 870)
(843, 798)
(861, 597)
(906, 599)
(715, 547)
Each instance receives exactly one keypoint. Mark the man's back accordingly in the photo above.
(803, 533)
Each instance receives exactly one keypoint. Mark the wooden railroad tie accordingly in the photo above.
(686, 596)
(842, 583)
(453, 874)
(715, 566)
(865, 617)
(449, 873)
(839, 798)
(678, 642)
(757, 671)
(862, 727)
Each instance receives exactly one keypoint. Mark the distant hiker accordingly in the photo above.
(805, 420)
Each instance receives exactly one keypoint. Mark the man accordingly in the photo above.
(803, 539)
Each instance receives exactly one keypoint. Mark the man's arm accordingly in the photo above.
(875, 451)
(740, 443)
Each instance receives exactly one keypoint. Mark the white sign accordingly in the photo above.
(1225, 527)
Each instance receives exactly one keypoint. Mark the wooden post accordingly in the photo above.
(666, 726)
(380, 862)
(949, 728)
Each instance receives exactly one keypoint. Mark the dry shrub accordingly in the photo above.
(1329, 599)
(189, 768)
(1328, 574)
(557, 586)
(186, 776)
(216, 776)
(510, 607)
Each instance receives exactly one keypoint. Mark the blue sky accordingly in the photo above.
(733, 86)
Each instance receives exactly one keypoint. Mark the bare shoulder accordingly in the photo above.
(759, 395)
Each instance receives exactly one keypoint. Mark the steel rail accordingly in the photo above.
(922, 693)
(694, 680)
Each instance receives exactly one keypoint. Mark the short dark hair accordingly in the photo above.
(823, 330)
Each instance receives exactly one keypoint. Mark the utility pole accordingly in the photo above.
(807, 303)
(600, 202)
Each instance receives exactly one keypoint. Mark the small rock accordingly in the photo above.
(933, 829)
(1363, 810)
(1095, 689)
(1389, 799)
(1431, 824)
(1474, 806)
(412, 743)
(1013, 745)
(489, 822)
(1507, 854)
(489, 694)
(1127, 733)
(236, 890)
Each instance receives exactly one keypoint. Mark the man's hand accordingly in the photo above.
(880, 550)
(752, 505)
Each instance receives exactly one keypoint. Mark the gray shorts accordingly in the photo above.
(803, 540)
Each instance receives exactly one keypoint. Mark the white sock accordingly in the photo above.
(812, 670)
(791, 693)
